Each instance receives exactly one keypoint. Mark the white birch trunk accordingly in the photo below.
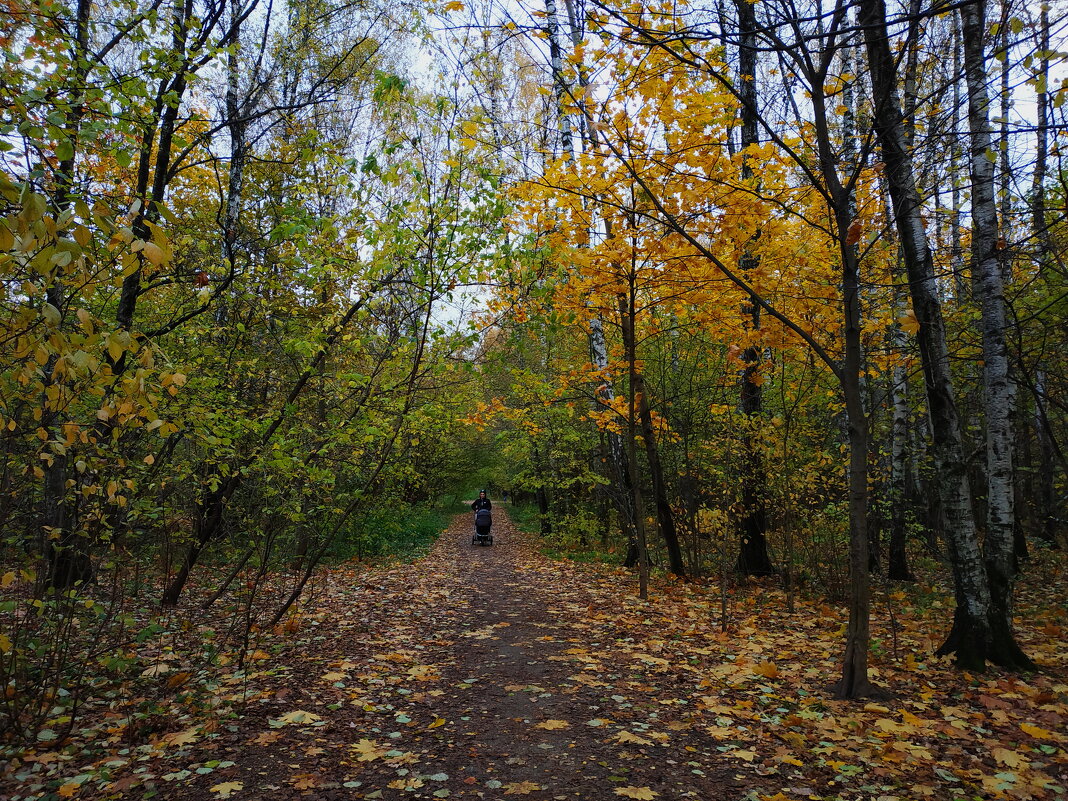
(970, 636)
(999, 389)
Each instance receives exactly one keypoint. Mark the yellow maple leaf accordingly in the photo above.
(553, 725)
(1006, 757)
(1036, 731)
(334, 676)
(521, 788)
(367, 751)
(644, 793)
(437, 722)
(453, 5)
(225, 789)
(908, 322)
(747, 755)
(629, 737)
(298, 716)
(68, 790)
(180, 737)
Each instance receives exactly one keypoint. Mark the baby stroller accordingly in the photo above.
(483, 522)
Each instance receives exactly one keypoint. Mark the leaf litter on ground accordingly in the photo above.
(462, 675)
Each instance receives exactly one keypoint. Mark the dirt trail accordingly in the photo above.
(478, 672)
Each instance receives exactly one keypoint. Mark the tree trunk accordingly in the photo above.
(956, 249)
(664, 516)
(626, 320)
(999, 389)
(854, 682)
(970, 637)
(897, 565)
(753, 558)
(1046, 491)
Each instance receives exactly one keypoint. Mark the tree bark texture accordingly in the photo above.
(970, 637)
(753, 558)
(999, 388)
(626, 318)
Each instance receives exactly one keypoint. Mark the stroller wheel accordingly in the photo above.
(491, 540)
(474, 540)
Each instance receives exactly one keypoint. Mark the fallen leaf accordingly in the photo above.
(368, 751)
(296, 716)
(1006, 757)
(768, 670)
(552, 725)
(180, 737)
(1036, 731)
(226, 788)
(304, 781)
(521, 788)
(643, 793)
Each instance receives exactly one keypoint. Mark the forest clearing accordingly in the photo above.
(758, 312)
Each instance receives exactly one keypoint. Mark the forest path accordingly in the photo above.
(477, 672)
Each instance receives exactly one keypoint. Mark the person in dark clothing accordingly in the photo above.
(483, 520)
(482, 502)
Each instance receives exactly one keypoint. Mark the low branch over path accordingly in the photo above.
(491, 672)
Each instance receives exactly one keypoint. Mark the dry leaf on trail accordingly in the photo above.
(553, 725)
(628, 737)
(68, 790)
(180, 737)
(178, 679)
(642, 793)
(424, 673)
(267, 737)
(334, 676)
(296, 716)
(226, 788)
(1036, 731)
(437, 722)
(1008, 758)
(748, 756)
(368, 751)
(521, 788)
(768, 670)
(304, 781)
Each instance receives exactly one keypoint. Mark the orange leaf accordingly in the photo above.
(767, 669)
